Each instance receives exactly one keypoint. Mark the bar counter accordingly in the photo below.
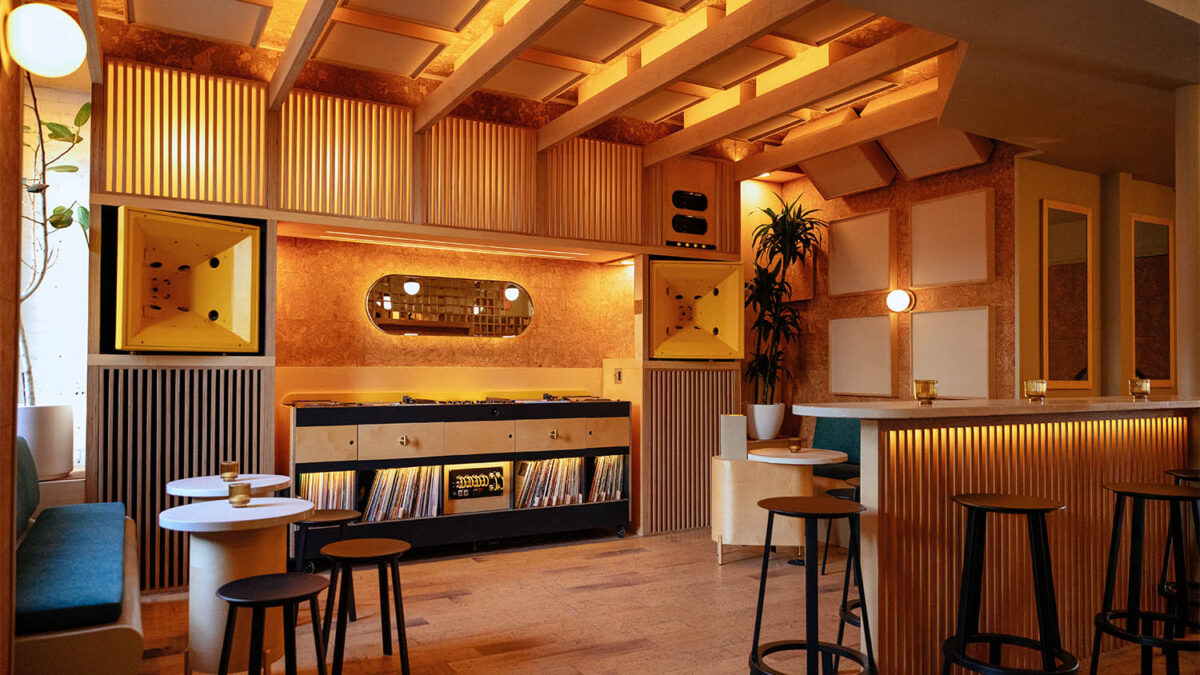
(915, 458)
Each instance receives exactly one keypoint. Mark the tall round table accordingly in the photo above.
(215, 487)
(228, 544)
(804, 461)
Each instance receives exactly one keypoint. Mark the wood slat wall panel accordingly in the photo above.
(346, 157)
(180, 135)
(681, 417)
(155, 425)
(921, 530)
(481, 176)
(594, 191)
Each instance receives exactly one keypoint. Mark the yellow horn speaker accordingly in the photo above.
(696, 310)
(186, 284)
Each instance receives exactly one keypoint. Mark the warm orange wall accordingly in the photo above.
(10, 270)
(809, 364)
(583, 312)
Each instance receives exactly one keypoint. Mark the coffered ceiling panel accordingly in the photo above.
(594, 34)
(738, 67)
(679, 5)
(359, 47)
(824, 23)
(447, 14)
(237, 21)
(528, 79)
(660, 106)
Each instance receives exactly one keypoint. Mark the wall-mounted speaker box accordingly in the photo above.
(696, 310)
(186, 284)
(691, 201)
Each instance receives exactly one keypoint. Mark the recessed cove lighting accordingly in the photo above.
(45, 40)
(900, 300)
(765, 174)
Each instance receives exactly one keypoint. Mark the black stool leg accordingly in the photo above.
(227, 643)
(810, 595)
(1110, 578)
(856, 542)
(314, 608)
(401, 629)
(339, 643)
(335, 571)
(1043, 581)
(350, 569)
(1137, 522)
(385, 612)
(289, 638)
(970, 591)
(825, 555)
(1182, 599)
(257, 619)
(841, 631)
(762, 585)
(301, 542)
(350, 593)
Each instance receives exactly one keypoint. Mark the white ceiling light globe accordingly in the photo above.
(45, 40)
(512, 293)
(900, 300)
(412, 287)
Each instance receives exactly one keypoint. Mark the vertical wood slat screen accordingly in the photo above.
(594, 191)
(481, 176)
(176, 134)
(346, 157)
(680, 435)
(928, 466)
(151, 426)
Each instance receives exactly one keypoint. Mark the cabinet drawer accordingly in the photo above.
(400, 441)
(326, 444)
(478, 438)
(608, 432)
(560, 434)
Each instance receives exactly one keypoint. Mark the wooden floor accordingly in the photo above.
(637, 605)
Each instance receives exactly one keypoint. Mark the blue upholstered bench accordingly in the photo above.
(842, 434)
(77, 601)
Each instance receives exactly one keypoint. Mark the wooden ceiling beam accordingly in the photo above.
(910, 47)
(509, 40)
(734, 31)
(87, 22)
(309, 27)
(907, 113)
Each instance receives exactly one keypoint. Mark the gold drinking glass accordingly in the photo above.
(229, 471)
(1035, 391)
(794, 446)
(239, 494)
(925, 391)
(1139, 388)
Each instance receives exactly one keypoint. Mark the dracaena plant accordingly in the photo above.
(787, 238)
(49, 142)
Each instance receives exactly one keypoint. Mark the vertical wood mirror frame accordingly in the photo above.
(1059, 286)
(1139, 251)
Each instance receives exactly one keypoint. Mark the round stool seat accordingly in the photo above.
(811, 507)
(846, 493)
(856, 481)
(266, 590)
(365, 550)
(999, 503)
(1160, 491)
(322, 517)
(1185, 474)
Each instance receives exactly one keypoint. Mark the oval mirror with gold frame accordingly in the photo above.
(1153, 311)
(1068, 233)
(407, 304)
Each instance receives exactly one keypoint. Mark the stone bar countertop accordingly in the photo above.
(947, 408)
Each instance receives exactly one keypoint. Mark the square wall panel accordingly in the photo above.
(359, 47)
(594, 34)
(232, 21)
(532, 80)
(953, 347)
(860, 254)
(952, 239)
(447, 14)
(860, 356)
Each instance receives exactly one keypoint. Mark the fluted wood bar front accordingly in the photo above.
(914, 459)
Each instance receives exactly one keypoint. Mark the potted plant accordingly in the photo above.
(786, 239)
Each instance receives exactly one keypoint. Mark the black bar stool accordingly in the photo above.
(261, 593)
(385, 554)
(850, 612)
(1055, 659)
(1168, 589)
(1139, 623)
(339, 518)
(847, 493)
(812, 510)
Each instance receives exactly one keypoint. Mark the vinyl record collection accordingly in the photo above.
(550, 482)
(328, 490)
(411, 492)
(608, 479)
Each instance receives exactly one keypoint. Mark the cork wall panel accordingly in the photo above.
(808, 363)
(583, 312)
(481, 176)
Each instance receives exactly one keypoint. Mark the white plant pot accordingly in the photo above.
(50, 432)
(763, 421)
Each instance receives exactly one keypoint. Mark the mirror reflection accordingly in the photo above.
(1066, 280)
(1152, 298)
(405, 304)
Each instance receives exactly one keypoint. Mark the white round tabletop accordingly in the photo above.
(220, 516)
(805, 456)
(213, 487)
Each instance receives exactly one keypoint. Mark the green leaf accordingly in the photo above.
(63, 168)
(84, 217)
(60, 219)
(56, 128)
(59, 209)
(84, 114)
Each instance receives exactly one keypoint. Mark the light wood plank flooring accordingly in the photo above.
(638, 605)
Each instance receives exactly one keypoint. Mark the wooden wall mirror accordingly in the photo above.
(1067, 278)
(1153, 300)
